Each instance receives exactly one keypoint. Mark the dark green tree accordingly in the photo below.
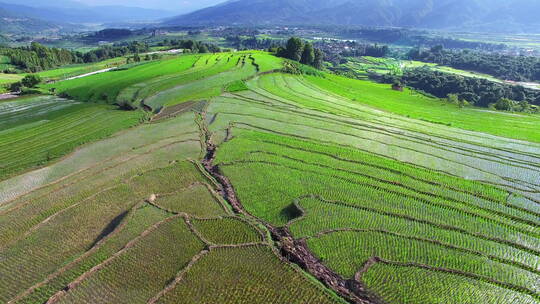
(308, 54)
(203, 49)
(318, 60)
(504, 104)
(30, 81)
(16, 87)
(295, 46)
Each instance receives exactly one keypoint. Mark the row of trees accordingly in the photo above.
(415, 38)
(251, 43)
(37, 57)
(517, 68)
(108, 52)
(469, 90)
(303, 52)
(373, 50)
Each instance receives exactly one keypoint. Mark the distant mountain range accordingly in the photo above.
(41, 17)
(14, 23)
(482, 15)
(84, 14)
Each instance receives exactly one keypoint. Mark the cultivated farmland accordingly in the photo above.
(229, 181)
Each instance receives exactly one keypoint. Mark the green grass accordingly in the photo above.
(105, 87)
(151, 263)
(168, 82)
(236, 86)
(36, 138)
(195, 200)
(245, 275)
(110, 179)
(357, 182)
(415, 285)
(363, 66)
(227, 231)
(136, 223)
(425, 219)
(410, 104)
(9, 78)
(79, 69)
(421, 209)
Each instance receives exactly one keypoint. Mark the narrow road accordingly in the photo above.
(90, 74)
(7, 96)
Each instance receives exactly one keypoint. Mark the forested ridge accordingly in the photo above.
(37, 57)
(507, 67)
(477, 91)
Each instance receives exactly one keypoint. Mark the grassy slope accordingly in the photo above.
(105, 87)
(38, 130)
(169, 82)
(78, 69)
(296, 155)
(150, 244)
(9, 78)
(410, 104)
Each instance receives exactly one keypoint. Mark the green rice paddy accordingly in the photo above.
(415, 200)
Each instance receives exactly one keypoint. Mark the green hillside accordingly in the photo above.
(231, 181)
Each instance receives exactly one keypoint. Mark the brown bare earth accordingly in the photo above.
(173, 111)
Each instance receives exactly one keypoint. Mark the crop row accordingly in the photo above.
(36, 145)
(376, 142)
(347, 251)
(142, 270)
(251, 274)
(476, 195)
(416, 285)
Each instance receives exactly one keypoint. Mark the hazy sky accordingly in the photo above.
(175, 5)
(162, 4)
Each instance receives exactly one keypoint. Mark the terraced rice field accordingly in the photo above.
(35, 131)
(254, 187)
(167, 82)
(156, 213)
(6, 79)
(362, 67)
(383, 199)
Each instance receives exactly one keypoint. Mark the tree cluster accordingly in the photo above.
(26, 84)
(372, 50)
(517, 68)
(109, 34)
(415, 38)
(477, 91)
(303, 52)
(251, 43)
(108, 52)
(37, 57)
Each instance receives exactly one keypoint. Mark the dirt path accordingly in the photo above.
(7, 96)
(90, 74)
